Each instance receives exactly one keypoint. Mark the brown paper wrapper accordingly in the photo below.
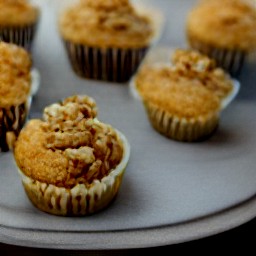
(107, 64)
(12, 120)
(19, 35)
(181, 129)
(230, 60)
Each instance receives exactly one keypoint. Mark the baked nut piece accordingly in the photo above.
(18, 22)
(224, 30)
(71, 164)
(15, 86)
(183, 100)
(105, 39)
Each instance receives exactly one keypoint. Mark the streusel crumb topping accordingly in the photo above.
(194, 65)
(107, 4)
(70, 146)
(108, 23)
(191, 66)
(15, 75)
(17, 12)
(224, 23)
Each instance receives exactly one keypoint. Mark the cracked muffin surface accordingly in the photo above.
(69, 146)
(105, 24)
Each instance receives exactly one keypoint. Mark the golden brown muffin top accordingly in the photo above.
(15, 76)
(105, 23)
(181, 99)
(17, 12)
(106, 4)
(191, 87)
(69, 146)
(192, 66)
(224, 23)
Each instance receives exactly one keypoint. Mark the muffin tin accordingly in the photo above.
(172, 192)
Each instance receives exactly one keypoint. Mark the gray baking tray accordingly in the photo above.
(171, 191)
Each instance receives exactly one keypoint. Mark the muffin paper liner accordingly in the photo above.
(230, 60)
(181, 129)
(12, 120)
(19, 35)
(79, 200)
(107, 64)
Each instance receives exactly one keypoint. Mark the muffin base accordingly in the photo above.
(232, 60)
(181, 129)
(19, 35)
(107, 64)
(12, 120)
(79, 200)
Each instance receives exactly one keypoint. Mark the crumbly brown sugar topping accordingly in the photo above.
(15, 77)
(105, 24)
(17, 12)
(192, 66)
(224, 23)
(107, 4)
(77, 147)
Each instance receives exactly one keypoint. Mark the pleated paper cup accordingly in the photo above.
(81, 199)
(12, 120)
(181, 128)
(107, 64)
(231, 60)
(20, 35)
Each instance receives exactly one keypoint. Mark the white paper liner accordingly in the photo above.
(180, 128)
(80, 200)
(36, 79)
(232, 95)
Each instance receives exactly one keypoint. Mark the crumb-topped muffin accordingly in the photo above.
(15, 86)
(71, 163)
(224, 30)
(197, 68)
(105, 39)
(18, 22)
(183, 100)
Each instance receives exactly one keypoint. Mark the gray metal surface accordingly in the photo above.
(171, 192)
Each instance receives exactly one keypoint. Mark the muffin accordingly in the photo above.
(224, 30)
(18, 22)
(105, 39)
(15, 86)
(187, 64)
(71, 164)
(183, 101)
